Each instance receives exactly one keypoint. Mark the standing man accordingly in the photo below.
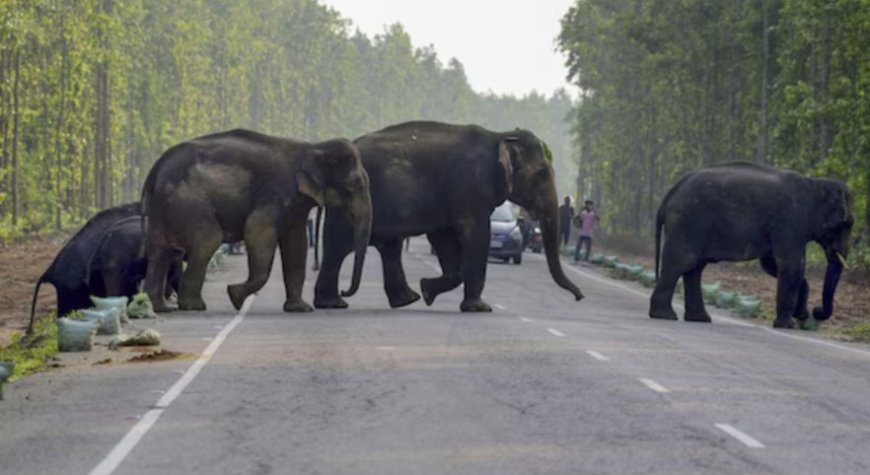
(566, 213)
(588, 221)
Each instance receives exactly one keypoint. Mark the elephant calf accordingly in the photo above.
(740, 211)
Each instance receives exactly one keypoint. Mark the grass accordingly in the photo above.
(859, 332)
(30, 353)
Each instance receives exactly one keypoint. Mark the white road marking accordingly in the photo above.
(500, 307)
(555, 332)
(386, 348)
(746, 439)
(129, 442)
(598, 356)
(654, 385)
(527, 320)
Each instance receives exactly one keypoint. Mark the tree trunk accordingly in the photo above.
(15, 121)
(761, 151)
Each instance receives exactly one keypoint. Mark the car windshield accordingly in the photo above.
(503, 214)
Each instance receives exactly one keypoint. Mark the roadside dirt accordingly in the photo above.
(21, 264)
(851, 302)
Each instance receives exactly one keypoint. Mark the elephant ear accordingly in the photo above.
(309, 186)
(504, 174)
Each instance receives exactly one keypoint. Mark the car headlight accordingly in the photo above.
(516, 234)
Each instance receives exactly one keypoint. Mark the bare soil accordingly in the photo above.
(851, 302)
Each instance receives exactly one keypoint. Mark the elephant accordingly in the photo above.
(68, 273)
(118, 264)
(444, 180)
(244, 185)
(740, 211)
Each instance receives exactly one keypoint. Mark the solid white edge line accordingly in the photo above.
(734, 321)
(120, 451)
(654, 385)
(527, 320)
(746, 439)
(555, 332)
(598, 356)
(500, 307)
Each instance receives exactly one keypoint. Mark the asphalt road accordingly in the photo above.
(542, 385)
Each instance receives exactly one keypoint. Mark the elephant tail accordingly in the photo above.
(42, 278)
(317, 238)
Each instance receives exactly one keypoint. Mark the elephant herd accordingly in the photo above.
(431, 178)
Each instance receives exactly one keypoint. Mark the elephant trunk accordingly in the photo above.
(832, 278)
(549, 223)
(361, 215)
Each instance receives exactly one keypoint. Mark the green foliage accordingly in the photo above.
(669, 86)
(92, 92)
(30, 353)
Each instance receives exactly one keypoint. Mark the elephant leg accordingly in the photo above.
(201, 248)
(790, 281)
(395, 282)
(801, 312)
(674, 263)
(159, 260)
(294, 251)
(261, 240)
(446, 246)
(337, 244)
(695, 311)
(474, 242)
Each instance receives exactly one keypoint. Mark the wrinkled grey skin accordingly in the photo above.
(444, 180)
(740, 211)
(242, 185)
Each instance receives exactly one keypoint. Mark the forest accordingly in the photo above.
(672, 85)
(93, 91)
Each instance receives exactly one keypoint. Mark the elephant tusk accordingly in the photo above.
(842, 261)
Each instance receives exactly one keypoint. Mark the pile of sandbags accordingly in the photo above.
(77, 331)
(6, 370)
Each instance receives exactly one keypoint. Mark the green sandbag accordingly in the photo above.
(596, 258)
(147, 337)
(709, 291)
(648, 278)
(633, 272)
(747, 306)
(102, 303)
(140, 307)
(610, 261)
(810, 324)
(620, 270)
(108, 320)
(725, 299)
(6, 370)
(74, 335)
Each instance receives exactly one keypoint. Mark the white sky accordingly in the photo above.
(506, 46)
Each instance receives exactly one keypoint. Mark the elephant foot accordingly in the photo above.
(664, 314)
(297, 307)
(786, 322)
(401, 299)
(474, 305)
(427, 286)
(702, 317)
(163, 307)
(194, 304)
(237, 294)
(820, 315)
(332, 302)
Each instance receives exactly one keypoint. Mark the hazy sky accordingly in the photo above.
(506, 46)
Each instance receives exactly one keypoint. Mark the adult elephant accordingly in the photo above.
(118, 263)
(739, 211)
(243, 185)
(68, 273)
(444, 180)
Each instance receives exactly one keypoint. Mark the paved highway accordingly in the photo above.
(543, 385)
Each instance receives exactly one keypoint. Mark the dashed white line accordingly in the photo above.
(654, 385)
(527, 320)
(598, 356)
(386, 348)
(129, 442)
(500, 307)
(555, 332)
(743, 437)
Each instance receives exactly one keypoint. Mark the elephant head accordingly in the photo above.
(333, 176)
(832, 214)
(525, 174)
